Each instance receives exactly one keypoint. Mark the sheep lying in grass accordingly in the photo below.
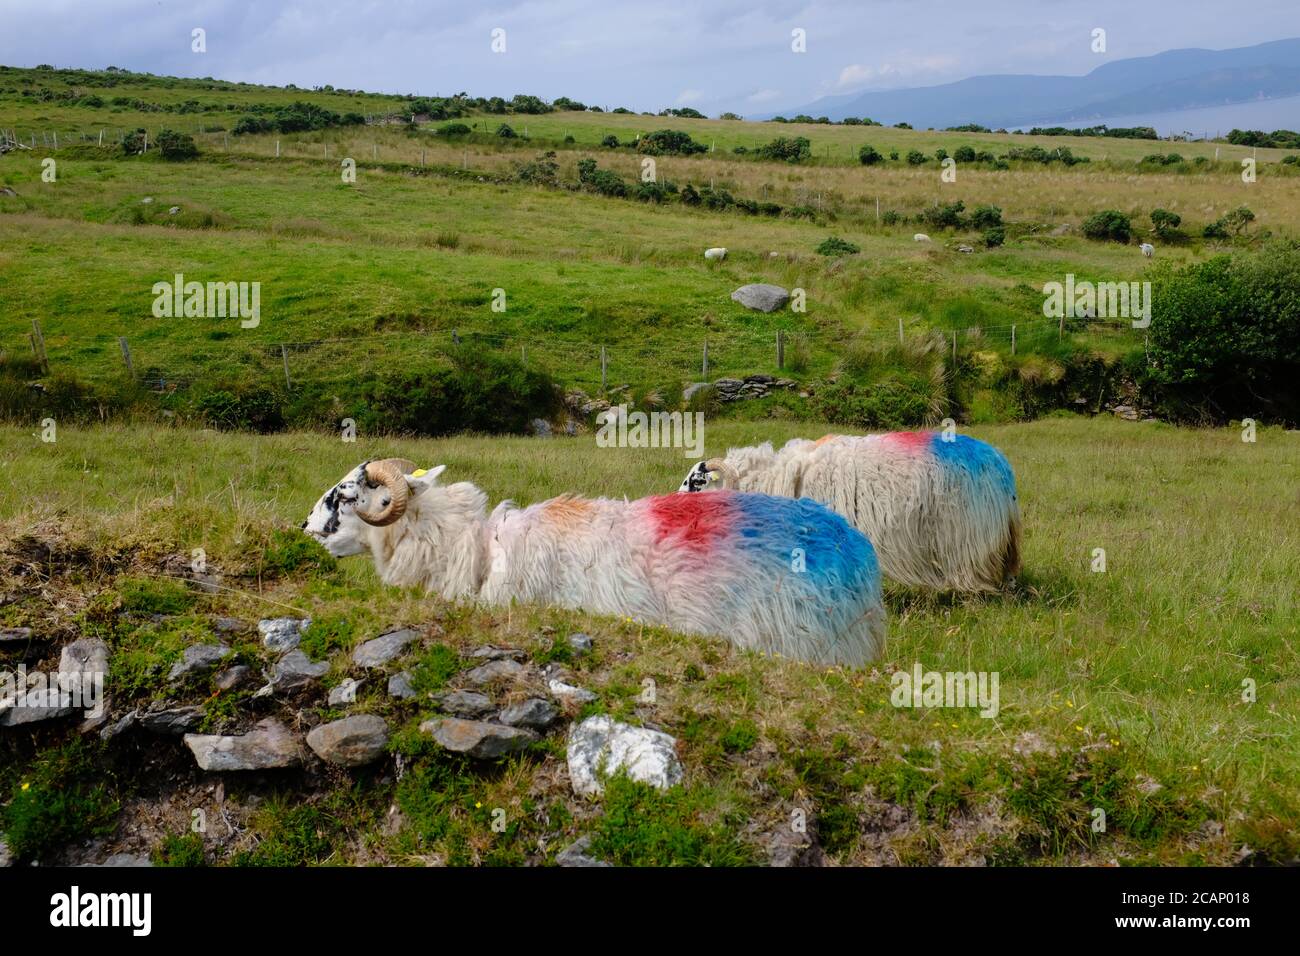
(769, 574)
(941, 514)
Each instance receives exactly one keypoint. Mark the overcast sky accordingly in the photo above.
(713, 55)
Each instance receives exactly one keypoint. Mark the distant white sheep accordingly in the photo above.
(716, 253)
(920, 237)
(940, 510)
(1148, 250)
(766, 573)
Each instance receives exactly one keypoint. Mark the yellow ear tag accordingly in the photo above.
(419, 473)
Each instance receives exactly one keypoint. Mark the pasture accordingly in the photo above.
(1120, 689)
(1147, 657)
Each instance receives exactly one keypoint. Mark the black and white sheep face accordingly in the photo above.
(698, 478)
(334, 522)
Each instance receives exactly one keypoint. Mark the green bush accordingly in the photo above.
(994, 237)
(610, 142)
(835, 246)
(603, 181)
(504, 131)
(480, 391)
(946, 215)
(986, 217)
(915, 157)
(1166, 223)
(1108, 225)
(669, 142)
(964, 154)
(176, 146)
(450, 130)
(1225, 334)
(241, 407)
(868, 156)
(790, 149)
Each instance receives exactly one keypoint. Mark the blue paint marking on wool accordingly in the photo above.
(835, 554)
(974, 457)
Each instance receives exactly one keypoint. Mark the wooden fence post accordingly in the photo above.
(780, 349)
(1013, 340)
(277, 149)
(705, 366)
(604, 360)
(284, 357)
(126, 357)
(38, 342)
(954, 348)
(900, 331)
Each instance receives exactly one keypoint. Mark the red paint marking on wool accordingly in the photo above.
(697, 521)
(913, 441)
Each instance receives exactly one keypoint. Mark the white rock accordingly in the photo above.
(282, 633)
(601, 746)
(562, 691)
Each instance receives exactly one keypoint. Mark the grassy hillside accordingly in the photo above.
(1120, 690)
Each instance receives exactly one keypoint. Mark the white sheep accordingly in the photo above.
(920, 237)
(940, 509)
(715, 253)
(769, 574)
(1148, 250)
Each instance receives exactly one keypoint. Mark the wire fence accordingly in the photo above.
(291, 365)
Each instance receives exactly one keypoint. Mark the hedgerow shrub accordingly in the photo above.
(1225, 334)
(1108, 225)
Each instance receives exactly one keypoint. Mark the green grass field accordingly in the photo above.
(1162, 690)
(1121, 689)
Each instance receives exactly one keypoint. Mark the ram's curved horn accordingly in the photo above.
(388, 472)
(730, 476)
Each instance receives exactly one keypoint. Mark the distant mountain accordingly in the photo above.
(1174, 80)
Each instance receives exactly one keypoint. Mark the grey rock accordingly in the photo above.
(965, 249)
(6, 857)
(8, 634)
(580, 642)
(381, 650)
(541, 428)
(492, 671)
(229, 625)
(83, 658)
(534, 712)
(267, 746)
(173, 720)
(198, 659)
(120, 726)
(235, 677)
(761, 296)
(295, 670)
(345, 692)
(399, 686)
(577, 854)
(173, 210)
(477, 738)
(691, 390)
(351, 742)
(282, 633)
(36, 705)
(464, 703)
(493, 652)
(568, 693)
(600, 746)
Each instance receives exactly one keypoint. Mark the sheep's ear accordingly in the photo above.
(420, 481)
